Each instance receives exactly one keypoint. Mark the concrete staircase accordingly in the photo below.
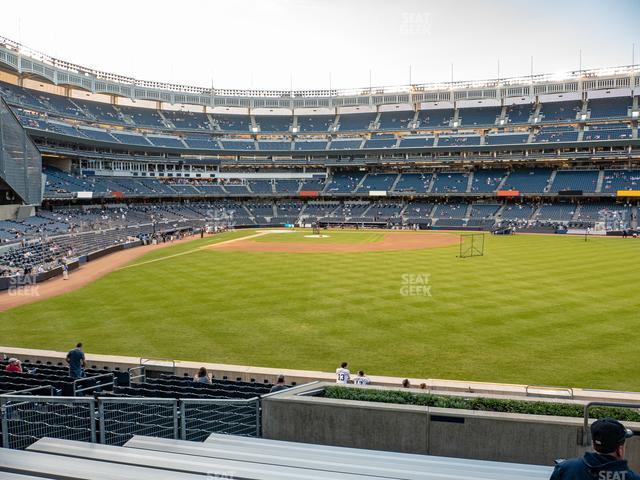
(536, 112)
(375, 125)
(502, 182)
(576, 213)
(213, 123)
(414, 122)
(360, 183)
(456, 118)
(600, 181)
(552, 177)
(165, 120)
(431, 182)
(469, 182)
(395, 182)
(334, 126)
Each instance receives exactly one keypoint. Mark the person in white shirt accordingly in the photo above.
(361, 379)
(343, 374)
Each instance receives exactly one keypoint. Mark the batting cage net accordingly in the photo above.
(471, 245)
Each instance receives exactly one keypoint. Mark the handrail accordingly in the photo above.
(159, 359)
(586, 433)
(27, 391)
(142, 375)
(94, 386)
(220, 401)
(548, 387)
(289, 390)
(148, 362)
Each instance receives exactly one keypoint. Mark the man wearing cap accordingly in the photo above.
(607, 462)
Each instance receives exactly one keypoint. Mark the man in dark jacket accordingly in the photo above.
(607, 462)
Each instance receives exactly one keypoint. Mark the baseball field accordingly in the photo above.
(554, 310)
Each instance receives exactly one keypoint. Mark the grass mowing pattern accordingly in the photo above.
(552, 310)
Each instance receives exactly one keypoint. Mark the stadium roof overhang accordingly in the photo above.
(25, 61)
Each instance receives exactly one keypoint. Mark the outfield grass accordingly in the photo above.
(552, 310)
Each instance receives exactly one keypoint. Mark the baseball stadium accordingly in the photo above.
(464, 253)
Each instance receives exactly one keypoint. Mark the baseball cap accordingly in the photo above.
(607, 434)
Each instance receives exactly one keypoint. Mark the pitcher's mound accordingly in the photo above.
(316, 236)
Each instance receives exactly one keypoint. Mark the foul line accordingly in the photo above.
(211, 245)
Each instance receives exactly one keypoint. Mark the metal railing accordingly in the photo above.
(137, 374)
(586, 432)
(93, 383)
(26, 419)
(45, 390)
(547, 388)
(121, 418)
(202, 417)
(159, 363)
(114, 420)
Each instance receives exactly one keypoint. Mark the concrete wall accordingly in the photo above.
(532, 439)
(347, 424)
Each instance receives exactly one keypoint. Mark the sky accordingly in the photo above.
(309, 44)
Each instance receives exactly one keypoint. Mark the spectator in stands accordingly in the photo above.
(202, 376)
(406, 383)
(606, 462)
(14, 365)
(361, 379)
(279, 385)
(343, 374)
(77, 363)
